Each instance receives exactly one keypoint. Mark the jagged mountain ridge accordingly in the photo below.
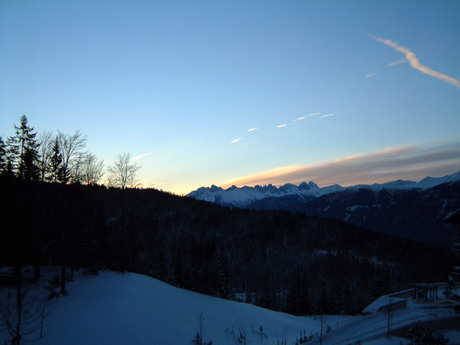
(414, 210)
(246, 196)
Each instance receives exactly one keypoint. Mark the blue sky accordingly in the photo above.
(241, 92)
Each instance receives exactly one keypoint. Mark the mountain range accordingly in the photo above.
(409, 209)
(247, 196)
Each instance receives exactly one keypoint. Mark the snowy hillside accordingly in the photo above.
(244, 196)
(114, 308)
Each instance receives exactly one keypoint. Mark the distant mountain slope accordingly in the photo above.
(415, 214)
(402, 208)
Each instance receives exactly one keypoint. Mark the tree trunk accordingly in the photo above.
(17, 337)
(63, 290)
(37, 272)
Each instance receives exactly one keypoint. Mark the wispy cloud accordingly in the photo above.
(306, 117)
(281, 126)
(326, 115)
(415, 63)
(253, 129)
(405, 162)
(136, 158)
(394, 63)
(301, 118)
(391, 64)
(235, 140)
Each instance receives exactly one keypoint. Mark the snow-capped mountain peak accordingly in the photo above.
(244, 196)
(429, 182)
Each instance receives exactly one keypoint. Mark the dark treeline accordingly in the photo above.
(293, 263)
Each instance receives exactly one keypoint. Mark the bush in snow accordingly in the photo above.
(420, 334)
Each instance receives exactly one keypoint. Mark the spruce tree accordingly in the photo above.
(31, 169)
(22, 152)
(12, 154)
(55, 163)
(2, 156)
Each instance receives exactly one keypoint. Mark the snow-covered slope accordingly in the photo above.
(120, 309)
(429, 182)
(115, 308)
(244, 196)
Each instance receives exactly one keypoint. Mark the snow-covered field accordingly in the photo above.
(114, 308)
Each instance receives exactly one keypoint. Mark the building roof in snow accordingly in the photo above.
(382, 302)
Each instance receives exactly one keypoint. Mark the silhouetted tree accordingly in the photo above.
(45, 144)
(22, 151)
(123, 172)
(23, 315)
(2, 156)
(90, 169)
(70, 146)
(31, 169)
(56, 170)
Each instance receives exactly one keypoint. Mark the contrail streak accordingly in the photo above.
(415, 63)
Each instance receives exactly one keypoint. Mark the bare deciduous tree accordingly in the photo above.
(71, 146)
(89, 169)
(44, 152)
(123, 172)
(23, 315)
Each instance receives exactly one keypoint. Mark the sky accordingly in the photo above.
(241, 92)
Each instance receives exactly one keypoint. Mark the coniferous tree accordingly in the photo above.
(224, 284)
(9, 167)
(22, 151)
(55, 163)
(2, 156)
(12, 153)
(31, 169)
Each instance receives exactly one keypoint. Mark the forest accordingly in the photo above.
(283, 261)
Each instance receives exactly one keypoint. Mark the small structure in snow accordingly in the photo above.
(385, 303)
(427, 292)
